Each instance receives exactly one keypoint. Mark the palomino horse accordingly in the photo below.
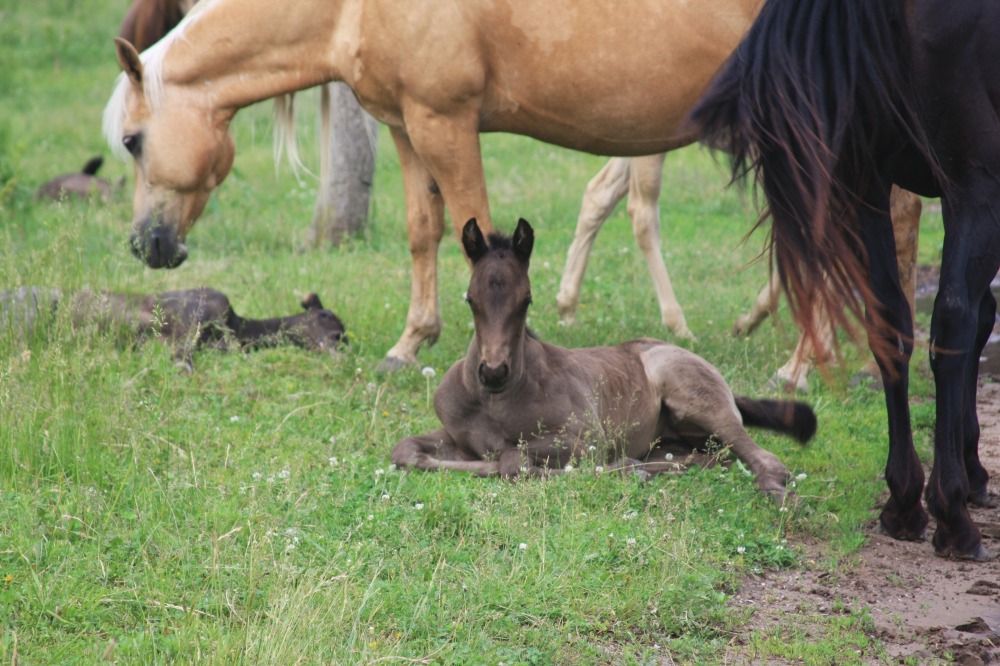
(515, 405)
(147, 21)
(189, 319)
(555, 71)
(830, 102)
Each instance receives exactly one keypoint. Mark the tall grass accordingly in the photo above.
(248, 514)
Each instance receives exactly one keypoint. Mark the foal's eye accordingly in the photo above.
(133, 143)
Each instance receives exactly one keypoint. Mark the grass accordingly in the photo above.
(248, 513)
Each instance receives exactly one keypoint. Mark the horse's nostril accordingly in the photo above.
(493, 377)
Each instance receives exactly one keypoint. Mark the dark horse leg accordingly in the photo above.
(903, 516)
(962, 313)
(978, 477)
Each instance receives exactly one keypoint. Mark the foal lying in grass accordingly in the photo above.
(515, 405)
(187, 319)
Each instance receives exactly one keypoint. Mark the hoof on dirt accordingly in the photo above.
(984, 499)
(902, 536)
(978, 554)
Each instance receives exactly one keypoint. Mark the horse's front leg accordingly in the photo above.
(644, 209)
(890, 337)
(545, 455)
(425, 227)
(438, 450)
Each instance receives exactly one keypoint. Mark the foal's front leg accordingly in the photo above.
(438, 450)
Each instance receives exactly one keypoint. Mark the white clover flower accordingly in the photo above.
(630, 515)
(741, 549)
(332, 460)
(257, 476)
(333, 439)
(801, 477)
(418, 506)
(721, 511)
(591, 448)
(234, 419)
(568, 467)
(522, 546)
(630, 541)
(379, 472)
(385, 496)
(598, 468)
(668, 457)
(428, 372)
(284, 474)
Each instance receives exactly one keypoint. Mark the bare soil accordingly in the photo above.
(925, 609)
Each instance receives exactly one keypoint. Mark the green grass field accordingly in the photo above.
(248, 513)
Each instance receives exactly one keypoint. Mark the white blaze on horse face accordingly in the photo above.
(175, 172)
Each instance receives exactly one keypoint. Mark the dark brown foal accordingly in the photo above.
(515, 405)
(188, 319)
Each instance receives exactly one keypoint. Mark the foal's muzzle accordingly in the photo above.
(158, 246)
(493, 377)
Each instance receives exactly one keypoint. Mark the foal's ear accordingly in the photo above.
(311, 302)
(473, 241)
(523, 240)
(129, 60)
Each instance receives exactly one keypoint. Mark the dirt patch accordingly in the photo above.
(925, 609)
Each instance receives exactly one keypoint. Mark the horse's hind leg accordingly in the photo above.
(700, 405)
(765, 303)
(979, 494)
(644, 209)
(891, 341)
(970, 259)
(603, 193)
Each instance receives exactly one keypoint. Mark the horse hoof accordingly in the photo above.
(984, 499)
(978, 554)
(787, 385)
(392, 364)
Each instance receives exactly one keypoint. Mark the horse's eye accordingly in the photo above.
(133, 144)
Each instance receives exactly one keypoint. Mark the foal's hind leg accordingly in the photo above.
(700, 405)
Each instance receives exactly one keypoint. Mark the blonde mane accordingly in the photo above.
(152, 82)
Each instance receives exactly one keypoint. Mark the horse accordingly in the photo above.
(640, 178)
(187, 319)
(147, 21)
(82, 184)
(828, 103)
(517, 406)
(437, 78)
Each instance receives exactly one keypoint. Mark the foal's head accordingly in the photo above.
(499, 295)
(317, 329)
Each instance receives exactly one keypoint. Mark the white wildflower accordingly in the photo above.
(428, 372)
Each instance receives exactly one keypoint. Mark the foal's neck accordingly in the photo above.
(257, 333)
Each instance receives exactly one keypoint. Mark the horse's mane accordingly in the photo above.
(284, 105)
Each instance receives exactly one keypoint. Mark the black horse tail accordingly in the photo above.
(785, 416)
(811, 103)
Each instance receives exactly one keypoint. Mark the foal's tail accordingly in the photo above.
(810, 103)
(785, 416)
